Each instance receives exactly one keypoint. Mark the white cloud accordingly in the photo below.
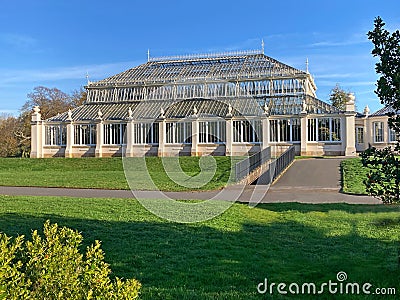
(96, 72)
(354, 39)
(339, 75)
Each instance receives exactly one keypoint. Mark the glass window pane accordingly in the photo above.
(273, 130)
(335, 131)
(170, 132)
(360, 135)
(296, 130)
(378, 132)
(323, 129)
(311, 134)
(202, 132)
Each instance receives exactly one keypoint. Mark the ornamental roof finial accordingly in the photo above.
(262, 46)
(69, 114)
(307, 65)
(130, 113)
(162, 113)
(229, 114)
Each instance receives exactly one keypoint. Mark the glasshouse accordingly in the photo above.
(233, 104)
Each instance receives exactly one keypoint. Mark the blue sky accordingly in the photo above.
(55, 43)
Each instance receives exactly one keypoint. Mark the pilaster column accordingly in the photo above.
(195, 136)
(350, 129)
(350, 141)
(229, 136)
(70, 139)
(161, 136)
(265, 132)
(70, 135)
(99, 138)
(303, 133)
(129, 138)
(36, 134)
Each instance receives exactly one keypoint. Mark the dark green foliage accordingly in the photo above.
(384, 175)
(387, 49)
(53, 268)
(383, 178)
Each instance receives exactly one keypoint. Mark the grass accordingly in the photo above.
(108, 173)
(226, 257)
(353, 175)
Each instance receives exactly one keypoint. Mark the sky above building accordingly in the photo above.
(57, 43)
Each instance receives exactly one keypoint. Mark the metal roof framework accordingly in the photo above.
(248, 81)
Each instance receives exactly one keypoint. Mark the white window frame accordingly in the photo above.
(117, 138)
(381, 134)
(79, 137)
(275, 130)
(55, 135)
(146, 133)
(360, 133)
(207, 137)
(174, 129)
(239, 128)
(314, 127)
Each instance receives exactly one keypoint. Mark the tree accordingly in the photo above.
(78, 97)
(339, 97)
(383, 179)
(15, 132)
(50, 100)
(387, 49)
(8, 141)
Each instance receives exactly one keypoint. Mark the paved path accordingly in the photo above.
(306, 181)
(314, 180)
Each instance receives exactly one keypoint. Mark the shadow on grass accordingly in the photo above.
(176, 261)
(326, 207)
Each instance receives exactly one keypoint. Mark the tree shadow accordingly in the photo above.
(177, 261)
(326, 207)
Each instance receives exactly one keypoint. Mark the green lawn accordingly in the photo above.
(108, 173)
(353, 174)
(225, 258)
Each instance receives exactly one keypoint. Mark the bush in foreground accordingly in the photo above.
(383, 178)
(53, 268)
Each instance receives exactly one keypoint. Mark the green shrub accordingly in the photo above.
(53, 268)
(383, 178)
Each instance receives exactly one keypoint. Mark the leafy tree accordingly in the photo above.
(383, 180)
(387, 49)
(339, 97)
